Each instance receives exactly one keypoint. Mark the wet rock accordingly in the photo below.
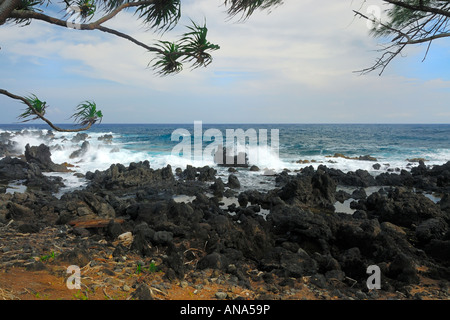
(190, 173)
(206, 174)
(106, 138)
(233, 182)
(118, 177)
(41, 156)
(79, 137)
(359, 194)
(218, 188)
(82, 151)
(226, 158)
(13, 169)
(342, 195)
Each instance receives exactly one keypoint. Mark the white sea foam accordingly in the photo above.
(102, 155)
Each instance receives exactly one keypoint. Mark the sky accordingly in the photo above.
(294, 64)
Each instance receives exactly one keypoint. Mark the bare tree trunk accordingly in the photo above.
(6, 7)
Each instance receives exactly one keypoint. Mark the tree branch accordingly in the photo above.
(382, 24)
(415, 32)
(113, 13)
(6, 7)
(420, 7)
(431, 38)
(18, 14)
(16, 97)
(127, 37)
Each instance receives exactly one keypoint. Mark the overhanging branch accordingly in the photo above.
(6, 7)
(54, 127)
(419, 7)
(19, 14)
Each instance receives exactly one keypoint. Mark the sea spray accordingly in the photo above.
(300, 146)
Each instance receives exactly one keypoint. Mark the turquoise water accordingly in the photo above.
(388, 143)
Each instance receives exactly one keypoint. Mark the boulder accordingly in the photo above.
(317, 190)
(79, 137)
(119, 177)
(233, 182)
(213, 261)
(224, 158)
(432, 228)
(403, 269)
(80, 152)
(41, 156)
(218, 187)
(401, 207)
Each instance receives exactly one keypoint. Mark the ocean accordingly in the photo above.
(299, 145)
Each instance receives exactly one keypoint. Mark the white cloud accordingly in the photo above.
(294, 64)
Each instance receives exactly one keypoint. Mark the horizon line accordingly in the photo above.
(234, 123)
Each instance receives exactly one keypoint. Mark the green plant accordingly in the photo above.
(52, 255)
(87, 113)
(80, 296)
(87, 8)
(38, 106)
(195, 45)
(152, 267)
(138, 268)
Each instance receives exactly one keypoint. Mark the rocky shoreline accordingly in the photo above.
(131, 216)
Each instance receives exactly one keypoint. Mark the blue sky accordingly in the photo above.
(294, 65)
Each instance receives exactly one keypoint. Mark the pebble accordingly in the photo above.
(126, 288)
(221, 295)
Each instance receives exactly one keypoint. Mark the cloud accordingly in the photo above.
(295, 64)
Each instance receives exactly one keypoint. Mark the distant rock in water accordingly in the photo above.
(7, 146)
(361, 158)
(80, 137)
(224, 159)
(41, 156)
(13, 169)
(233, 182)
(80, 152)
(107, 138)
